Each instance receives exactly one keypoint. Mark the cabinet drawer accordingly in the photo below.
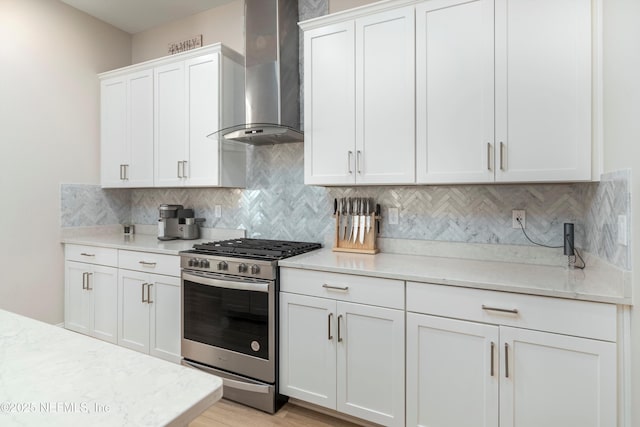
(169, 265)
(563, 316)
(344, 287)
(91, 254)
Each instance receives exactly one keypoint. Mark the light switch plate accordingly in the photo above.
(393, 216)
(217, 211)
(622, 230)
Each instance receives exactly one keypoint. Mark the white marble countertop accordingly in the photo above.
(54, 377)
(599, 282)
(112, 237)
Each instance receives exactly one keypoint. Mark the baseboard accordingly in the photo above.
(60, 325)
(332, 413)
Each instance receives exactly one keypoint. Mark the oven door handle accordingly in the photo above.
(227, 284)
(254, 388)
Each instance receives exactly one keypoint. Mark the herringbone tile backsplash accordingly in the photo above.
(277, 205)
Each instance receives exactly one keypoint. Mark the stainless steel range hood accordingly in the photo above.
(271, 75)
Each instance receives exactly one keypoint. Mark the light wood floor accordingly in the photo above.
(230, 414)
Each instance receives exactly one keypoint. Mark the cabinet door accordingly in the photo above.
(370, 374)
(77, 300)
(164, 303)
(202, 76)
(133, 312)
(455, 91)
(114, 144)
(308, 349)
(543, 90)
(170, 130)
(103, 287)
(139, 170)
(451, 364)
(556, 380)
(329, 105)
(385, 98)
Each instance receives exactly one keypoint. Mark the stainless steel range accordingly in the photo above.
(230, 315)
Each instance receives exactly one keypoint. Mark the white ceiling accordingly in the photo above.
(134, 16)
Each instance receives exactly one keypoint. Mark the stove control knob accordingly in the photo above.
(255, 269)
(204, 263)
(242, 268)
(222, 266)
(192, 262)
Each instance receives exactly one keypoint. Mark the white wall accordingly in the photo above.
(622, 137)
(223, 24)
(50, 54)
(338, 5)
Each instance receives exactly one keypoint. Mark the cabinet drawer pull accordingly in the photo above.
(339, 335)
(506, 360)
(329, 336)
(147, 263)
(89, 288)
(126, 172)
(488, 156)
(142, 288)
(358, 155)
(149, 285)
(501, 310)
(501, 155)
(336, 288)
(84, 280)
(184, 168)
(349, 156)
(179, 176)
(493, 347)
(86, 254)
(122, 172)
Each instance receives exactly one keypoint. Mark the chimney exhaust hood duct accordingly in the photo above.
(271, 75)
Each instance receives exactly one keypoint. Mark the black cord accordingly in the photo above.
(573, 249)
(535, 243)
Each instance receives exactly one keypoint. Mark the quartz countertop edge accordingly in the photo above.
(46, 365)
(597, 283)
(137, 242)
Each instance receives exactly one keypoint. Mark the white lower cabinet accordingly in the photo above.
(466, 373)
(344, 356)
(91, 299)
(149, 313)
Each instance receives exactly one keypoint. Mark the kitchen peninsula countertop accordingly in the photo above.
(55, 377)
(599, 282)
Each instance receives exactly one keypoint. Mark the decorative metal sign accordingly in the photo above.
(184, 45)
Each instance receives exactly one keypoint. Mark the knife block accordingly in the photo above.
(348, 245)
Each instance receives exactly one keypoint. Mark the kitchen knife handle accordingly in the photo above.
(349, 156)
(329, 336)
(335, 206)
(339, 335)
(143, 285)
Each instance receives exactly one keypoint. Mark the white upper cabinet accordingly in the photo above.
(127, 130)
(455, 92)
(156, 116)
(359, 101)
(543, 90)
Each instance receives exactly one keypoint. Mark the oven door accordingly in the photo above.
(228, 322)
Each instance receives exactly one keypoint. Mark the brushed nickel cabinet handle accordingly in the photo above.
(488, 156)
(84, 280)
(349, 156)
(142, 288)
(122, 172)
(506, 360)
(149, 285)
(147, 263)
(86, 254)
(500, 310)
(501, 155)
(336, 288)
(339, 335)
(178, 173)
(184, 168)
(493, 346)
(89, 288)
(358, 155)
(329, 336)
(126, 172)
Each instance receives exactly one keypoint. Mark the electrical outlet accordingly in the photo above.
(393, 216)
(518, 214)
(217, 211)
(622, 230)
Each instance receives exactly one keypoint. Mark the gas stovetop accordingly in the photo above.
(255, 248)
(251, 258)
